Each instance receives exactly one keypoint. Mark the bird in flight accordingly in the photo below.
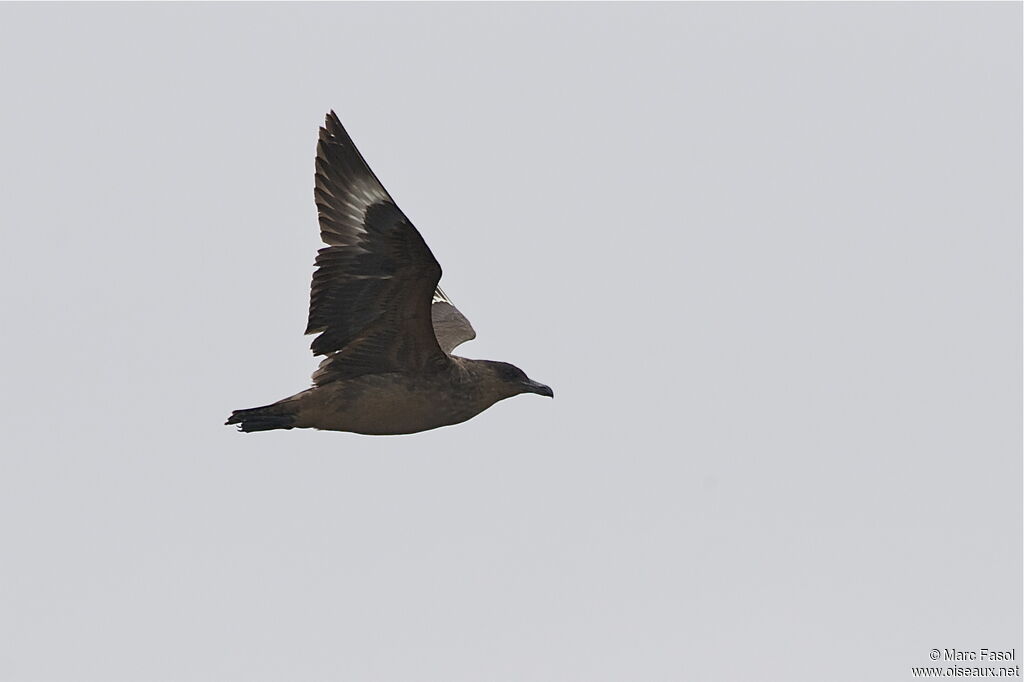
(385, 328)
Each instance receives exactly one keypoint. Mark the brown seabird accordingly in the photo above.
(385, 327)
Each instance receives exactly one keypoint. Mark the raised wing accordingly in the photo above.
(371, 296)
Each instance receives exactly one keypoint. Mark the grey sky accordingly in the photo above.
(767, 255)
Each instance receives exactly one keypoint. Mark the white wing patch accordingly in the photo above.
(365, 193)
(351, 206)
(441, 297)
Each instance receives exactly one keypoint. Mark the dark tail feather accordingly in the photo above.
(277, 416)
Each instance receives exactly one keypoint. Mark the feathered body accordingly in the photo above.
(385, 328)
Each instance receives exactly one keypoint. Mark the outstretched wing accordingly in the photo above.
(372, 291)
(450, 326)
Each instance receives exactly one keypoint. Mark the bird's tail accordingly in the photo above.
(280, 415)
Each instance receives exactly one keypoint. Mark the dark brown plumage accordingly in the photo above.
(384, 326)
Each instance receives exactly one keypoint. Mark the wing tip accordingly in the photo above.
(332, 124)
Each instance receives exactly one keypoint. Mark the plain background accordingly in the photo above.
(768, 257)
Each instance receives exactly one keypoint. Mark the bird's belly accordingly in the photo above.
(382, 405)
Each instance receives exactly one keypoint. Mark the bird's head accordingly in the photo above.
(514, 380)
